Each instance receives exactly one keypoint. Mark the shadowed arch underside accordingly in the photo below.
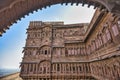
(13, 10)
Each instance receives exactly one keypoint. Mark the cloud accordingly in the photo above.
(76, 14)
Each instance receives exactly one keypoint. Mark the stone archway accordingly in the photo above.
(12, 10)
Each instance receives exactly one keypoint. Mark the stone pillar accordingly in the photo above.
(65, 68)
(56, 68)
(71, 68)
(29, 67)
(42, 69)
(36, 68)
(60, 68)
(33, 68)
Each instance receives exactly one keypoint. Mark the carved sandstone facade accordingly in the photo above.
(55, 51)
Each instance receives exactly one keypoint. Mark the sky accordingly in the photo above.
(13, 41)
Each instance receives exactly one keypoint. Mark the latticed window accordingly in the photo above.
(115, 30)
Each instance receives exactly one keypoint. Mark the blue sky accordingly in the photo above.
(13, 41)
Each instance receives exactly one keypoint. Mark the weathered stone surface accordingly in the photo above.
(57, 51)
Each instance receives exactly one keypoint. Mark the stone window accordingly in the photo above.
(80, 68)
(97, 44)
(73, 69)
(35, 67)
(45, 52)
(44, 70)
(66, 52)
(23, 68)
(84, 51)
(119, 23)
(58, 67)
(81, 51)
(58, 52)
(31, 67)
(104, 38)
(115, 30)
(75, 51)
(88, 49)
(108, 34)
(72, 51)
(94, 47)
(69, 52)
(100, 39)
